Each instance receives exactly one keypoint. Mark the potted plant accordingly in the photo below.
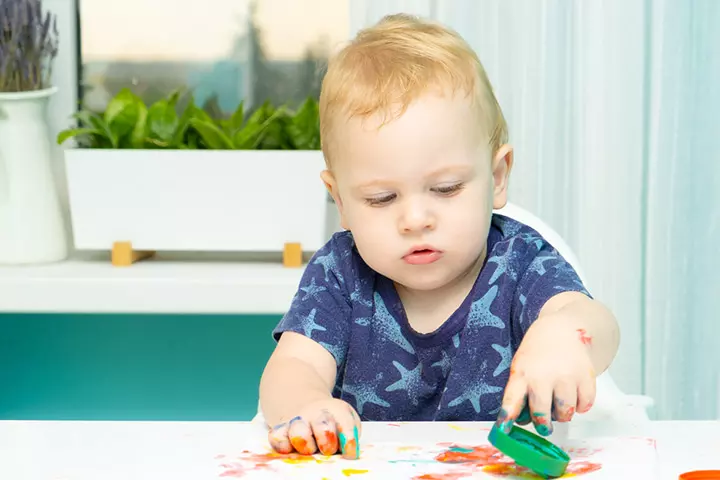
(31, 222)
(164, 178)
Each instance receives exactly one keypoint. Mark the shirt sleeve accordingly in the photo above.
(547, 275)
(320, 309)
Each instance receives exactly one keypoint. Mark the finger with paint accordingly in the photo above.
(586, 392)
(301, 436)
(540, 404)
(564, 401)
(514, 401)
(348, 427)
(325, 432)
(524, 417)
(278, 438)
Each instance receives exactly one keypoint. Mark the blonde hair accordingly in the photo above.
(389, 65)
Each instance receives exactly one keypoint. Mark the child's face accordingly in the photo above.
(417, 193)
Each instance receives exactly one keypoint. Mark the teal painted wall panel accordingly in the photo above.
(132, 367)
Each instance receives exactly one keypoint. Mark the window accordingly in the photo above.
(222, 51)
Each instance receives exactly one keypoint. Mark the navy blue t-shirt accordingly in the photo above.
(389, 372)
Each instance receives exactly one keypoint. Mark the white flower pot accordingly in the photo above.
(197, 200)
(31, 224)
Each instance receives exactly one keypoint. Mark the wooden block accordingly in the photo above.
(123, 254)
(292, 255)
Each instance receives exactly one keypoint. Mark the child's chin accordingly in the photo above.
(426, 281)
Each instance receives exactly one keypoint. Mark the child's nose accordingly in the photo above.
(416, 218)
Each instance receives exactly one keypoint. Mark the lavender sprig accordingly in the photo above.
(28, 45)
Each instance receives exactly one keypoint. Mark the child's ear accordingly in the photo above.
(501, 166)
(331, 184)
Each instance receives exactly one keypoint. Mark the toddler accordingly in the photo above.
(428, 306)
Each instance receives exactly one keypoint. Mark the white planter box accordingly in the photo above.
(197, 200)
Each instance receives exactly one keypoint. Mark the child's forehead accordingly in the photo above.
(398, 159)
(430, 124)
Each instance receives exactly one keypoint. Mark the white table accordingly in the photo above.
(188, 450)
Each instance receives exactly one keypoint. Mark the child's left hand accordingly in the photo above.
(551, 376)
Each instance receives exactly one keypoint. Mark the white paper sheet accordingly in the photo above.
(592, 459)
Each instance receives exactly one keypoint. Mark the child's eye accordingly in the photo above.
(449, 189)
(380, 200)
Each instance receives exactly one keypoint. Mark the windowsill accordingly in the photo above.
(213, 284)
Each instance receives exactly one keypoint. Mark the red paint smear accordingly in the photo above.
(233, 472)
(393, 424)
(584, 337)
(587, 408)
(262, 461)
(236, 470)
(582, 452)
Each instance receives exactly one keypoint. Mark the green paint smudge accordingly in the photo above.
(461, 450)
(357, 441)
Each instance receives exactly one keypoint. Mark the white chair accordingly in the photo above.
(612, 409)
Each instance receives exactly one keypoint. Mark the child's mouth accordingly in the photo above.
(422, 256)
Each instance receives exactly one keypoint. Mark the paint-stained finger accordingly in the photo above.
(540, 402)
(356, 419)
(513, 403)
(348, 433)
(586, 391)
(278, 438)
(325, 432)
(564, 401)
(524, 417)
(301, 436)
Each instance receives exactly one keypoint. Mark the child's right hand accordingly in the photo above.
(327, 426)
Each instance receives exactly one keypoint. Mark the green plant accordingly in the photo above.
(128, 123)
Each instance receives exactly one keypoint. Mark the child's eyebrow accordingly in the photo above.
(373, 183)
(460, 168)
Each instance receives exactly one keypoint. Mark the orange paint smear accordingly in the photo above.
(328, 443)
(264, 461)
(484, 455)
(516, 471)
(491, 460)
(351, 449)
(301, 445)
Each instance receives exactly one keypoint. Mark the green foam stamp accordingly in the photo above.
(530, 451)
